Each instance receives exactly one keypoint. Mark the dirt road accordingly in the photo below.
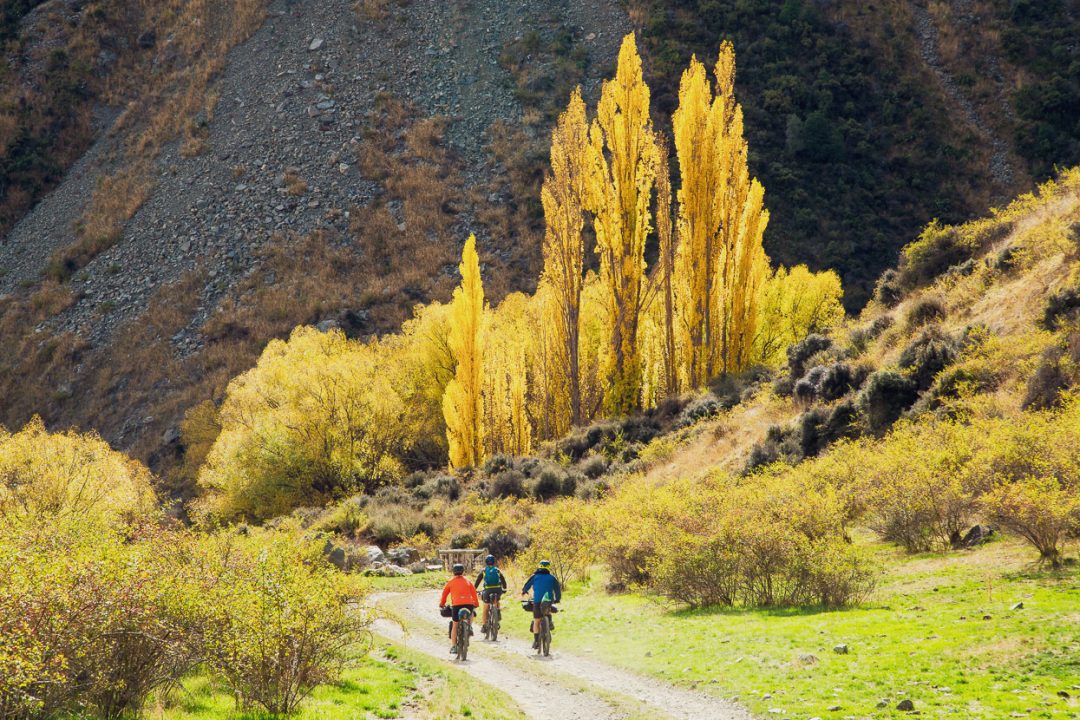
(563, 686)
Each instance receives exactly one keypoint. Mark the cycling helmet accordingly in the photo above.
(489, 560)
(459, 569)
(545, 564)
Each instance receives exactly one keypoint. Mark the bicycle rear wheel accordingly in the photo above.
(494, 621)
(545, 636)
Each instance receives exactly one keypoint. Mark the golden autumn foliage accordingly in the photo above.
(321, 415)
(61, 475)
(622, 165)
(462, 403)
(721, 220)
(563, 195)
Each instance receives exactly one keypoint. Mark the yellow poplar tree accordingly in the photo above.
(563, 197)
(509, 429)
(463, 405)
(720, 261)
(620, 185)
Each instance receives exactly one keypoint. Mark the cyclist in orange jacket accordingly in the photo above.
(462, 595)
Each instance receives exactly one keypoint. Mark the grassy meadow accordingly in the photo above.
(941, 630)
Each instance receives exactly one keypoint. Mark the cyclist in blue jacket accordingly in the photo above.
(546, 592)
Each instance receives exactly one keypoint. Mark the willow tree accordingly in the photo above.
(563, 197)
(622, 166)
(720, 263)
(463, 405)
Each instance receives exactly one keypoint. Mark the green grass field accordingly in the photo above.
(939, 631)
(393, 682)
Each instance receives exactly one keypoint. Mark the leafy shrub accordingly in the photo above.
(1061, 308)
(884, 398)
(1042, 510)
(38, 470)
(801, 352)
(918, 488)
(829, 382)
(564, 532)
(569, 485)
(700, 408)
(497, 464)
(1050, 379)
(348, 518)
(89, 619)
(889, 291)
(937, 249)
(821, 427)
(925, 310)
(501, 542)
(547, 486)
(758, 543)
(862, 337)
(780, 444)
(928, 355)
(278, 618)
(594, 467)
(508, 483)
(317, 418)
(1007, 260)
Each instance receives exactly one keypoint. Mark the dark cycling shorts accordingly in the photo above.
(458, 608)
(541, 609)
(490, 595)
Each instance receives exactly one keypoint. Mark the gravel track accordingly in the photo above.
(489, 662)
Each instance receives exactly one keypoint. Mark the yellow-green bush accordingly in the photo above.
(757, 541)
(102, 602)
(564, 532)
(317, 418)
(46, 475)
(1042, 510)
(276, 620)
(92, 619)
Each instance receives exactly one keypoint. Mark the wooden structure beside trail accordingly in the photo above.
(468, 557)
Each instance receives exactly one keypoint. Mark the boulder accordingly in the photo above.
(402, 555)
(392, 571)
(373, 554)
(417, 568)
(905, 706)
(336, 555)
(840, 649)
(977, 535)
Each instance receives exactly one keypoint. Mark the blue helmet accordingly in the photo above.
(489, 560)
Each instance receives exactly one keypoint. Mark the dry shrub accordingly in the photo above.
(1042, 510)
(372, 10)
(294, 184)
(51, 299)
(760, 542)
(115, 200)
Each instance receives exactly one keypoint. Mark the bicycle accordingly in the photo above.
(494, 615)
(464, 631)
(545, 629)
(543, 646)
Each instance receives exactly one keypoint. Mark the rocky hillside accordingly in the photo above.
(208, 176)
(343, 153)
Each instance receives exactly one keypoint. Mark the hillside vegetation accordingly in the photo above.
(900, 114)
(696, 436)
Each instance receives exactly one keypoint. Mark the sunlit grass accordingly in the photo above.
(393, 683)
(922, 637)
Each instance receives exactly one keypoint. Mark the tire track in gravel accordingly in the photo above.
(496, 664)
